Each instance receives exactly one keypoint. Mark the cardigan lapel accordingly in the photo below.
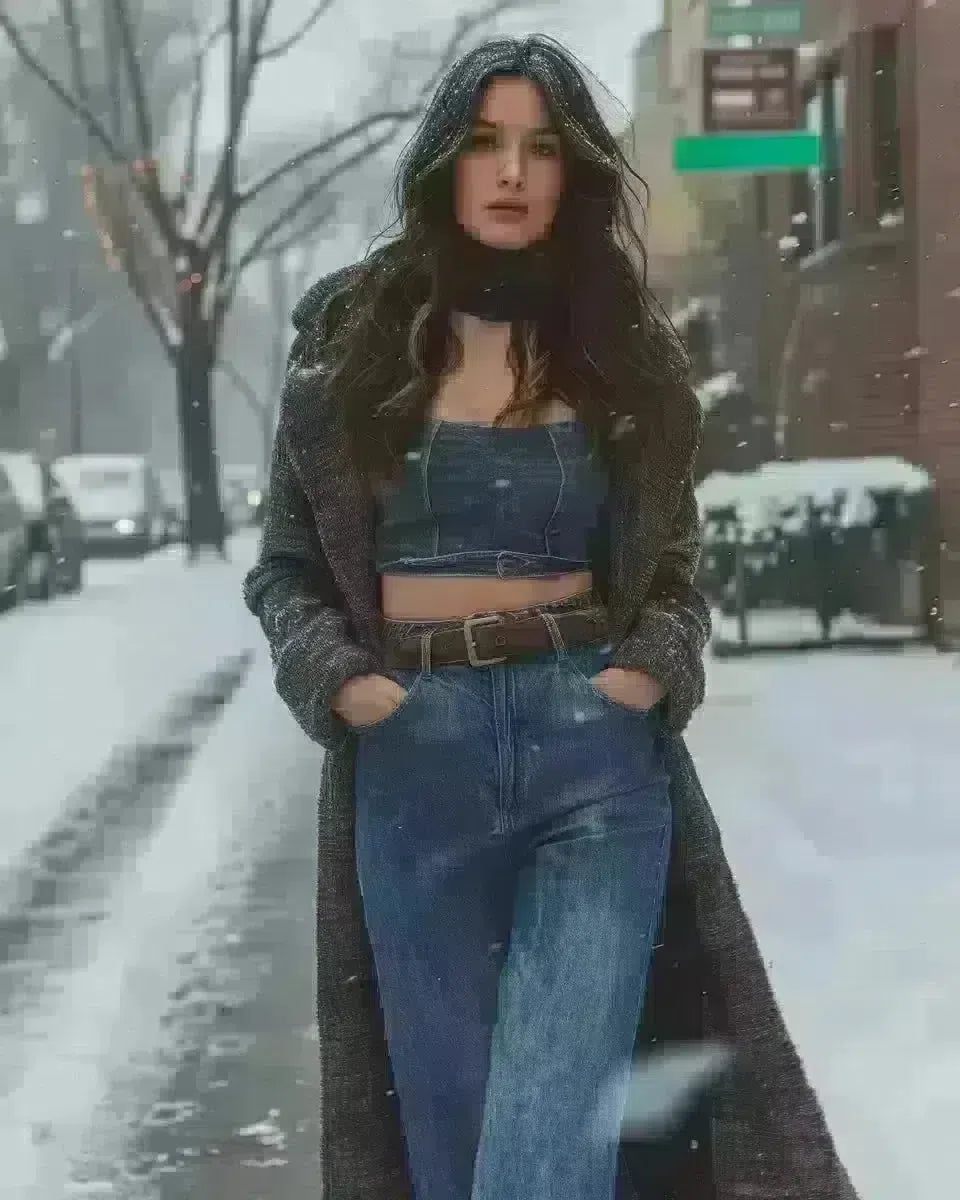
(313, 431)
(647, 483)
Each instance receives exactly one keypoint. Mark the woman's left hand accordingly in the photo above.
(630, 687)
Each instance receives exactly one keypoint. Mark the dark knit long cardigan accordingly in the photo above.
(315, 592)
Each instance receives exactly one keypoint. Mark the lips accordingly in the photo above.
(506, 206)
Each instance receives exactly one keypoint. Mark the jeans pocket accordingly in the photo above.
(410, 681)
(586, 663)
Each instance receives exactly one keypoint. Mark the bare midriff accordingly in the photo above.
(429, 598)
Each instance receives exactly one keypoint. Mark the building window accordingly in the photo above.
(887, 159)
(817, 195)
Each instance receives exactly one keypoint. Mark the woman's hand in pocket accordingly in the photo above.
(630, 687)
(367, 699)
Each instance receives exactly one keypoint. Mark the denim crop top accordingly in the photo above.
(487, 500)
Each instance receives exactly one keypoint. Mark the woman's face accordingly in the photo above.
(509, 176)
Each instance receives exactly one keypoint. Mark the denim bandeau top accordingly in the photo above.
(487, 500)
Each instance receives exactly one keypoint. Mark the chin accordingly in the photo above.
(505, 239)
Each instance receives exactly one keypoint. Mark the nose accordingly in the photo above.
(511, 175)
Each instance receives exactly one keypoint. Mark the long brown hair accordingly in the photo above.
(612, 354)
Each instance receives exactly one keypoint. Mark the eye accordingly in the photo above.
(546, 147)
(482, 139)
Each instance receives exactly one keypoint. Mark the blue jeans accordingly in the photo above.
(513, 831)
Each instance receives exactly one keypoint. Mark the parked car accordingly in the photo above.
(13, 545)
(118, 499)
(55, 540)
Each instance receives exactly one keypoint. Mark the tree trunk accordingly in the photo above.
(195, 364)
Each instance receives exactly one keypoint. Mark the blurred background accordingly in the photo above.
(173, 175)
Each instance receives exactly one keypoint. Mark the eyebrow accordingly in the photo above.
(540, 130)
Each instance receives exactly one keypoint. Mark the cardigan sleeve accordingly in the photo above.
(669, 636)
(291, 590)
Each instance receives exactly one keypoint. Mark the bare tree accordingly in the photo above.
(188, 277)
(359, 203)
(289, 271)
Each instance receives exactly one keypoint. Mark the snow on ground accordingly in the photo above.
(106, 1030)
(783, 626)
(835, 778)
(86, 673)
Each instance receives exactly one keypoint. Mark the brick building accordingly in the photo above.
(856, 345)
(870, 359)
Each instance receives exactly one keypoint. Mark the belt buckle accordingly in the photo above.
(469, 625)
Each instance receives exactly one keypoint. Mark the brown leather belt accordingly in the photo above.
(494, 638)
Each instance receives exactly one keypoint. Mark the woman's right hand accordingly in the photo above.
(367, 699)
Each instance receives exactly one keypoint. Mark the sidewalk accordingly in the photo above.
(835, 778)
(91, 672)
(178, 1060)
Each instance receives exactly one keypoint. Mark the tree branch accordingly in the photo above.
(188, 175)
(287, 43)
(70, 101)
(463, 28)
(303, 232)
(260, 248)
(135, 78)
(245, 74)
(243, 387)
(146, 182)
(395, 117)
(296, 206)
(68, 14)
(220, 244)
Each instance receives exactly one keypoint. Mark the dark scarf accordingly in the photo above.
(502, 285)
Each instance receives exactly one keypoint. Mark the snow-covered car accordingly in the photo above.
(119, 501)
(55, 543)
(13, 545)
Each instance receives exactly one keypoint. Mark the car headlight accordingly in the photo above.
(125, 526)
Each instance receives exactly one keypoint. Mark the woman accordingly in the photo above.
(476, 579)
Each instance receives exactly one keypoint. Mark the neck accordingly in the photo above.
(481, 338)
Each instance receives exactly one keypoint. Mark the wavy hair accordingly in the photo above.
(612, 353)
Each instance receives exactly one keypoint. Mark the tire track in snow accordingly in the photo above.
(61, 886)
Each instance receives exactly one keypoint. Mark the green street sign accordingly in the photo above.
(784, 22)
(747, 153)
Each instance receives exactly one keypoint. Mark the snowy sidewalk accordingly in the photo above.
(835, 778)
(87, 673)
(162, 975)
